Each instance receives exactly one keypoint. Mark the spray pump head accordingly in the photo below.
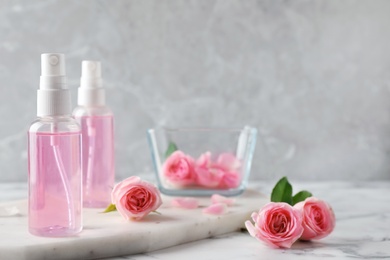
(91, 92)
(53, 95)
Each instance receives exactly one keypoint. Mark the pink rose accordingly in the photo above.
(179, 169)
(222, 173)
(277, 224)
(318, 218)
(134, 198)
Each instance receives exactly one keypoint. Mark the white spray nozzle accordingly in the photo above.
(53, 64)
(53, 93)
(53, 75)
(91, 69)
(91, 92)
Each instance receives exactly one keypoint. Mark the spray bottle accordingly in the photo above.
(54, 156)
(97, 128)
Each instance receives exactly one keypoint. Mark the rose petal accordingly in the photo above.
(216, 198)
(186, 203)
(230, 180)
(204, 160)
(215, 209)
(228, 162)
(208, 177)
(120, 188)
(251, 229)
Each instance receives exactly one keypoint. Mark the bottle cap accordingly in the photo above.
(53, 97)
(91, 91)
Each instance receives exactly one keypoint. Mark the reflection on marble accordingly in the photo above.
(313, 76)
(362, 228)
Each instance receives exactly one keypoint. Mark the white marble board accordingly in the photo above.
(107, 235)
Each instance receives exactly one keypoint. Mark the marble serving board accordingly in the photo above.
(107, 235)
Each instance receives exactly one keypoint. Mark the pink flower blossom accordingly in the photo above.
(216, 198)
(276, 224)
(186, 203)
(178, 169)
(318, 218)
(215, 209)
(134, 198)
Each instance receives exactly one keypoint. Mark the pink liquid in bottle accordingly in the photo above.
(97, 159)
(55, 203)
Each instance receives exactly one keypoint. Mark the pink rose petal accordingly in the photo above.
(209, 177)
(230, 180)
(228, 162)
(216, 198)
(186, 203)
(251, 228)
(216, 209)
(204, 160)
(221, 173)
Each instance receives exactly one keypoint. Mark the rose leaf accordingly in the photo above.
(110, 208)
(282, 192)
(301, 196)
(171, 148)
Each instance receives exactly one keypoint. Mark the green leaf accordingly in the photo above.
(171, 148)
(301, 196)
(110, 208)
(282, 192)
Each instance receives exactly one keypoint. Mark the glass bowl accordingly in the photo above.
(202, 161)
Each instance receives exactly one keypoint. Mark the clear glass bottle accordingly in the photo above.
(54, 157)
(97, 128)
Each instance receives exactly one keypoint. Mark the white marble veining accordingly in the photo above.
(362, 228)
(313, 76)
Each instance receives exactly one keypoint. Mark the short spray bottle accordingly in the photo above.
(97, 128)
(54, 156)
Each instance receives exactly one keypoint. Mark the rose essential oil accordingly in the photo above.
(97, 128)
(55, 183)
(54, 157)
(98, 159)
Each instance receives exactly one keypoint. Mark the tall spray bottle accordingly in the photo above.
(97, 128)
(54, 156)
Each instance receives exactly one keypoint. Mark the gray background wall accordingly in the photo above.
(312, 76)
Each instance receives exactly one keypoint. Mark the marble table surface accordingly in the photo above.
(362, 228)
